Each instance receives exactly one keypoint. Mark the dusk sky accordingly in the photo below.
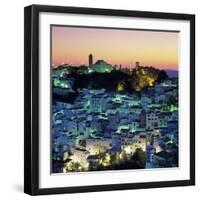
(72, 45)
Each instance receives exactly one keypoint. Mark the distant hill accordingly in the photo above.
(172, 73)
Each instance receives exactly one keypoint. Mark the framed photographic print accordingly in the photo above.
(109, 100)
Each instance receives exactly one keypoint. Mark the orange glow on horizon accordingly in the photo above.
(72, 45)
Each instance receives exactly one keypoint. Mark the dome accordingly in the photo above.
(101, 67)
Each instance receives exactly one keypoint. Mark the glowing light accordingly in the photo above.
(120, 87)
(65, 156)
(151, 81)
(106, 160)
(90, 71)
(127, 149)
(158, 149)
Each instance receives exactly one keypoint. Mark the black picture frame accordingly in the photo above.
(31, 98)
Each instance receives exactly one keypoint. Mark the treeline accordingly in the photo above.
(135, 80)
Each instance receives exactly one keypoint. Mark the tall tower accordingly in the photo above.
(90, 58)
(137, 64)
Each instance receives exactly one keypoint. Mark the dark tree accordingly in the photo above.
(162, 75)
(139, 157)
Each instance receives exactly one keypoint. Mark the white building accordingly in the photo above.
(98, 103)
(129, 145)
(97, 146)
(152, 120)
(80, 156)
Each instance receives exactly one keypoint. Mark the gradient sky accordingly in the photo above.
(72, 45)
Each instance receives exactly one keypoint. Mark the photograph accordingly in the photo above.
(109, 99)
(114, 99)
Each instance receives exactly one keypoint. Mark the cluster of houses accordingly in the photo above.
(105, 122)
